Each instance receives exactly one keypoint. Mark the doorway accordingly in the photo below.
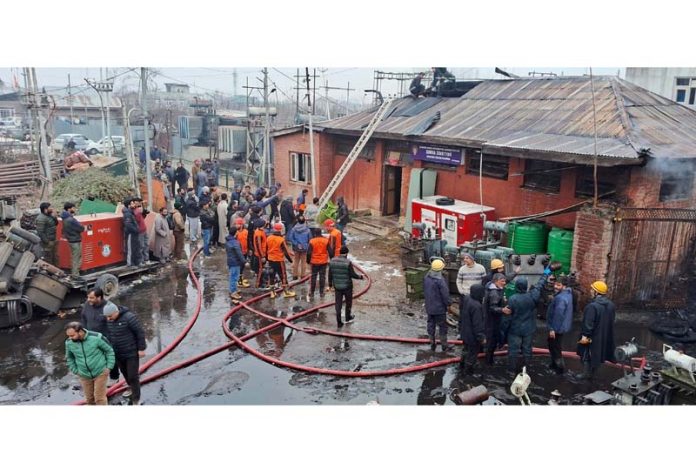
(392, 190)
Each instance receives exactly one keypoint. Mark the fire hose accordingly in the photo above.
(235, 340)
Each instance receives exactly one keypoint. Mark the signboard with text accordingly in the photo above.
(441, 155)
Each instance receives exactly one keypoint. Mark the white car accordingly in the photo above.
(119, 145)
(81, 142)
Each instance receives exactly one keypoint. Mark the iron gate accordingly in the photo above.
(651, 257)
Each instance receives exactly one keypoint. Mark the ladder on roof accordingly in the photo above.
(359, 145)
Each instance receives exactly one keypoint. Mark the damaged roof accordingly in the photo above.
(552, 115)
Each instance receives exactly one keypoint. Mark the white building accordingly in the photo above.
(677, 84)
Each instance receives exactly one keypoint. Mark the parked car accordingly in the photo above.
(119, 143)
(81, 142)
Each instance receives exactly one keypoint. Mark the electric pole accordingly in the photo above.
(266, 130)
(107, 143)
(311, 138)
(146, 128)
(70, 100)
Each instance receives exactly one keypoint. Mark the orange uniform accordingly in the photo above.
(318, 252)
(335, 238)
(260, 242)
(277, 249)
(243, 238)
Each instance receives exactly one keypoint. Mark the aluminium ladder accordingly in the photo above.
(360, 144)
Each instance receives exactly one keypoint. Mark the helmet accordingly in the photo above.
(497, 264)
(239, 221)
(437, 265)
(329, 223)
(600, 287)
(278, 227)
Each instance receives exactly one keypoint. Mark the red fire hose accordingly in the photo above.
(288, 322)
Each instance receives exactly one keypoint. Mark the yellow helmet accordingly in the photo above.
(496, 264)
(600, 287)
(437, 265)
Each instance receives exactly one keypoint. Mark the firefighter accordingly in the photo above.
(276, 251)
(243, 238)
(335, 243)
(597, 341)
(259, 249)
(318, 256)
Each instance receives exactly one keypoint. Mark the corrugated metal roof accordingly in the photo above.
(549, 115)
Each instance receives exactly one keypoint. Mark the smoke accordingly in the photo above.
(677, 177)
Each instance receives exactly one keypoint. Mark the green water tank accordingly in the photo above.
(561, 247)
(510, 289)
(528, 238)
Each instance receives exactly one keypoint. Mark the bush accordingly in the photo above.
(93, 182)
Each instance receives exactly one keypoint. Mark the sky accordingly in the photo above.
(210, 79)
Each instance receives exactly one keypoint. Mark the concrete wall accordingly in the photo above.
(659, 80)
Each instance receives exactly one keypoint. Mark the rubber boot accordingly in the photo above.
(586, 371)
(489, 356)
(432, 343)
(443, 342)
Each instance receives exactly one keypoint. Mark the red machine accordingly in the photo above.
(455, 221)
(102, 242)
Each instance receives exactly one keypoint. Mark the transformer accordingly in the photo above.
(102, 242)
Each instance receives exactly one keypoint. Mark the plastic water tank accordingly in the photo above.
(528, 238)
(561, 247)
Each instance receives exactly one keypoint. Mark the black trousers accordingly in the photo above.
(341, 295)
(134, 250)
(439, 321)
(318, 271)
(278, 268)
(470, 353)
(129, 368)
(556, 351)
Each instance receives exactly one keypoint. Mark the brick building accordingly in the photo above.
(528, 143)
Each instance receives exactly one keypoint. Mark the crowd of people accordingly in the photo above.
(490, 321)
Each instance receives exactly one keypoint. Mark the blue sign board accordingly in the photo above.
(441, 155)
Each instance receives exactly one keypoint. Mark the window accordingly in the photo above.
(493, 166)
(685, 87)
(683, 81)
(692, 96)
(345, 145)
(677, 186)
(300, 167)
(681, 96)
(543, 176)
(607, 179)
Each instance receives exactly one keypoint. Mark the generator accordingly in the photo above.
(454, 221)
(102, 242)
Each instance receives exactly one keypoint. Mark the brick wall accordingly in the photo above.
(594, 229)
(644, 191)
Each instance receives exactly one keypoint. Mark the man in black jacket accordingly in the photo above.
(72, 232)
(472, 328)
(130, 228)
(128, 340)
(193, 213)
(494, 302)
(342, 273)
(46, 224)
(92, 317)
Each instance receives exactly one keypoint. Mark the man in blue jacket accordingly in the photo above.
(559, 320)
(522, 311)
(235, 262)
(72, 232)
(298, 238)
(437, 300)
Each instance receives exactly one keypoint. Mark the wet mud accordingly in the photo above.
(33, 370)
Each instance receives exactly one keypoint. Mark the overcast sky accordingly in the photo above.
(210, 79)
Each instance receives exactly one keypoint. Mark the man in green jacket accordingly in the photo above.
(90, 357)
(46, 224)
(342, 273)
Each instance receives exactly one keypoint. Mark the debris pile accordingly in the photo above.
(91, 183)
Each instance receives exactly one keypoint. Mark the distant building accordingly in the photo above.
(677, 84)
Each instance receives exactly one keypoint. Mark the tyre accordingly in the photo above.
(23, 266)
(24, 234)
(444, 201)
(108, 283)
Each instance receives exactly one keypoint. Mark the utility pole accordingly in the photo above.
(109, 144)
(311, 138)
(146, 128)
(327, 88)
(70, 100)
(102, 87)
(41, 137)
(266, 130)
(297, 99)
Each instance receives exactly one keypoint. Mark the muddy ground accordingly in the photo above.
(33, 370)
